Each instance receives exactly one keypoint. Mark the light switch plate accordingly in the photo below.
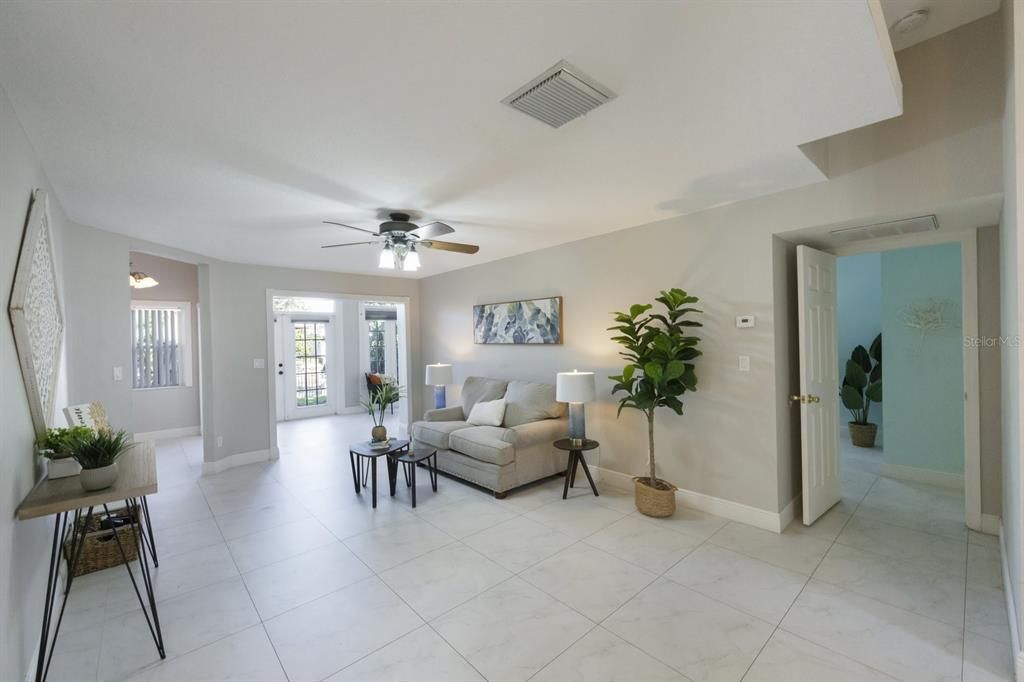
(259, 363)
(744, 363)
(118, 374)
(744, 321)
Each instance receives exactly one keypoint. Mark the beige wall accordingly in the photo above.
(989, 371)
(736, 439)
(1012, 296)
(24, 545)
(178, 407)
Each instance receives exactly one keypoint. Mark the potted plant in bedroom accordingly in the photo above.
(378, 400)
(862, 386)
(58, 447)
(98, 455)
(660, 353)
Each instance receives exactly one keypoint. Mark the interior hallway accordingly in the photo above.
(279, 569)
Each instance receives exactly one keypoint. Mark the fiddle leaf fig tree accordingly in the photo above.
(862, 384)
(660, 352)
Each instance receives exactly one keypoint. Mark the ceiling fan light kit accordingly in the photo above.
(401, 237)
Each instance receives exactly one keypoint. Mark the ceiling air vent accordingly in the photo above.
(559, 95)
(893, 228)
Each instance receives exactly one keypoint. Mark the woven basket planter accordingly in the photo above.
(100, 550)
(863, 435)
(658, 502)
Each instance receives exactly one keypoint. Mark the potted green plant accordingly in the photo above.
(58, 447)
(98, 456)
(378, 400)
(660, 352)
(862, 386)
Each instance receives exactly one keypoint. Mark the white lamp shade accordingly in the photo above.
(574, 387)
(439, 375)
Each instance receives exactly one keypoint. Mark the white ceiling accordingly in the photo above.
(943, 15)
(233, 129)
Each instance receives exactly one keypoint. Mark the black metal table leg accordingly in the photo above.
(568, 472)
(355, 474)
(373, 473)
(151, 615)
(432, 470)
(149, 531)
(577, 455)
(413, 474)
(392, 474)
(582, 460)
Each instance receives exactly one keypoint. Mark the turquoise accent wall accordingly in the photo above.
(923, 372)
(858, 313)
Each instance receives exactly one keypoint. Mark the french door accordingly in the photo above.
(307, 359)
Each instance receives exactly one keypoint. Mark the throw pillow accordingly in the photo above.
(490, 413)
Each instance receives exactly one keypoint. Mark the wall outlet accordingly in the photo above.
(118, 374)
(744, 363)
(220, 441)
(744, 321)
(259, 363)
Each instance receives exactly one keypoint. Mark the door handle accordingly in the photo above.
(804, 399)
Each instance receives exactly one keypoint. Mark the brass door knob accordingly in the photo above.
(804, 399)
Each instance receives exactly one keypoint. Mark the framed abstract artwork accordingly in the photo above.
(536, 321)
(36, 313)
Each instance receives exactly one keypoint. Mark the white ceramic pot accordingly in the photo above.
(98, 479)
(62, 468)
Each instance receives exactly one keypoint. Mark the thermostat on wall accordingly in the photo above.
(743, 321)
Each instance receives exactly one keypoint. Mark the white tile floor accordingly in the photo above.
(279, 571)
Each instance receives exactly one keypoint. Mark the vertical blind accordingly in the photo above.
(156, 347)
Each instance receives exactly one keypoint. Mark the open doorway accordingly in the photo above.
(329, 351)
(899, 315)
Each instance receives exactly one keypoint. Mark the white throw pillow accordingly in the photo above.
(490, 413)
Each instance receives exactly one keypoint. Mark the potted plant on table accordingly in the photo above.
(58, 447)
(660, 370)
(376, 403)
(98, 456)
(862, 386)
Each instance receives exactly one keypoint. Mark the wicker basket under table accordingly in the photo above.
(100, 550)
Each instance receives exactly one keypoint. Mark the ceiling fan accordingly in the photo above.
(401, 239)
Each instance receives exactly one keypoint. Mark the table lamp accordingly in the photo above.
(439, 376)
(575, 388)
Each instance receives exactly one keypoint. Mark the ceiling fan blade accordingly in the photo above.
(351, 227)
(334, 246)
(449, 246)
(431, 230)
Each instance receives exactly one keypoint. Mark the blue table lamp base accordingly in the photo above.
(439, 397)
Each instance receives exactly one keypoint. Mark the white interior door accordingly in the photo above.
(819, 383)
(308, 361)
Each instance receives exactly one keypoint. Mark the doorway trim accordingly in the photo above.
(275, 452)
(968, 240)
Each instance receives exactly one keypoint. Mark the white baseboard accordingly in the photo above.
(939, 478)
(790, 512)
(1011, 612)
(727, 509)
(164, 434)
(236, 460)
(990, 524)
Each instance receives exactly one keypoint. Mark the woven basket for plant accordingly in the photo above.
(100, 549)
(658, 502)
(863, 435)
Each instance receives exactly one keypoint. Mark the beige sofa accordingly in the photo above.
(504, 457)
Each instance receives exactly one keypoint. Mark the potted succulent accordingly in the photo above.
(660, 353)
(379, 399)
(862, 386)
(98, 456)
(58, 447)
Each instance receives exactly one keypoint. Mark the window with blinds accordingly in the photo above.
(160, 341)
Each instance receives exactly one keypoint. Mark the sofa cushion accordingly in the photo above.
(487, 413)
(527, 402)
(437, 434)
(476, 389)
(485, 443)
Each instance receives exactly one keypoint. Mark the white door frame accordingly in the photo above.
(968, 241)
(272, 367)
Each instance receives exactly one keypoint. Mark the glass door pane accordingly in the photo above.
(310, 363)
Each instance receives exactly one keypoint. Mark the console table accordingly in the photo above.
(72, 508)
